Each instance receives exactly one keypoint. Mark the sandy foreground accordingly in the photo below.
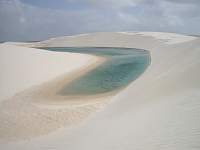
(30, 81)
(160, 110)
(23, 67)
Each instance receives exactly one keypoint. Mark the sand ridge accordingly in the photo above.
(160, 110)
(40, 102)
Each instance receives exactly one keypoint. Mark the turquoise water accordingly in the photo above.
(122, 66)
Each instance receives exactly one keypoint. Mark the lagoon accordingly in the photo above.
(122, 66)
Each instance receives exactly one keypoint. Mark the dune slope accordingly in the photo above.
(160, 110)
(23, 67)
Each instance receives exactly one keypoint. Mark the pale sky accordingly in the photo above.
(26, 20)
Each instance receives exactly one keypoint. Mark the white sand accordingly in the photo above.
(29, 81)
(23, 67)
(169, 38)
(160, 110)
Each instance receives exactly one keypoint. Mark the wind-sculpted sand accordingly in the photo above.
(159, 110)
(45, 100)
(37, 110)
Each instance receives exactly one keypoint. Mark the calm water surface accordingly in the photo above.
(122, 66)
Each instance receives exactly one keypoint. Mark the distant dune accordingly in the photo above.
(159, 110)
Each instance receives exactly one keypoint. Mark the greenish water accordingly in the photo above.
(123, 65)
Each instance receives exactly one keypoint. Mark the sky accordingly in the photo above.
(30, 20)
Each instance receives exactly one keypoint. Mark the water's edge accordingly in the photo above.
(122, 66)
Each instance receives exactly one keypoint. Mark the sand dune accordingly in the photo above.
(160, 110)
(26, 73)
(23, 67)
